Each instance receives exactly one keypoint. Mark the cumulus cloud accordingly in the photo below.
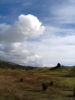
(13, 40)
(26, 27)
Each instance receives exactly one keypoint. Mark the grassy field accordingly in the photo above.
(20, 84)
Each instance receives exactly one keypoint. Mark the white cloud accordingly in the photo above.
(27, 26)
(14, 46)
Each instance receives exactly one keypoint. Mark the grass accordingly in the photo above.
(30, 88)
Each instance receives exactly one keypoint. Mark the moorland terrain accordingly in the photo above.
(42, 83)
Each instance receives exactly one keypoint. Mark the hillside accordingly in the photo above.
(42, 83)
(10, 65)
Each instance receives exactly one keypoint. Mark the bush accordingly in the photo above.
(51, 83)
(44, 86)
(21, 79)
(58, 65)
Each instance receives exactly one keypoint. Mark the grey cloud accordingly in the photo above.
(19, 53)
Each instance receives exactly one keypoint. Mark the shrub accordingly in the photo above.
(21, 79)
(56, 67)
(44, 86)
(51, 83)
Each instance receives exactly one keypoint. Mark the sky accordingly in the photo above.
(37, 32)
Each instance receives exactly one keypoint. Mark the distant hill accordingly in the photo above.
(10, 65)
(68, 69)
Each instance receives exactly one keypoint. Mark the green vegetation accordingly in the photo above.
(37, 84)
